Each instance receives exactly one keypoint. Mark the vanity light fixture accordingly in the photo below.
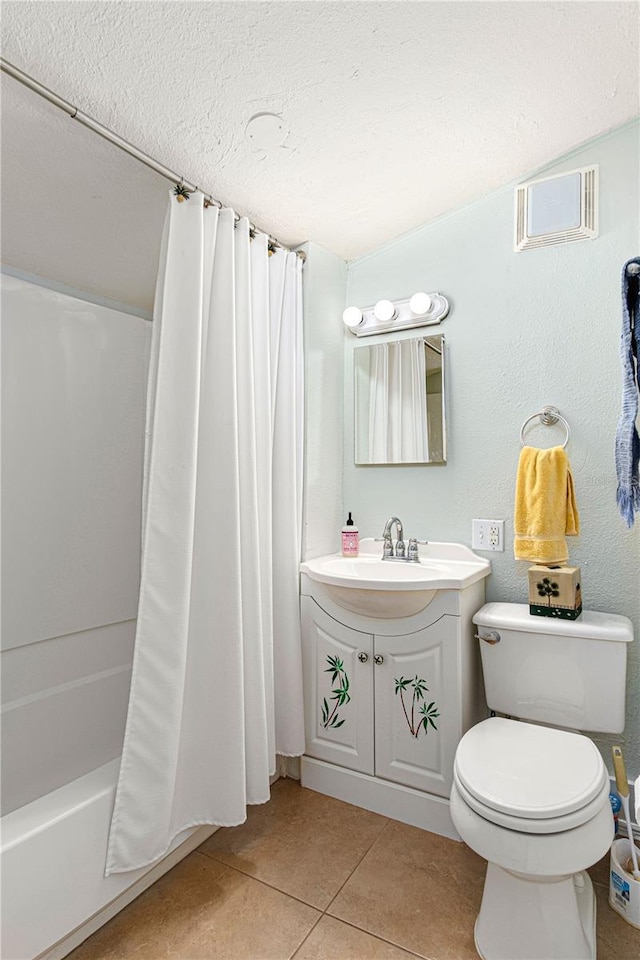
(385, 311)
(422, 309)
(420, 304)
(352, 317)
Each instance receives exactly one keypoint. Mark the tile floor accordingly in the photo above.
(312, 878)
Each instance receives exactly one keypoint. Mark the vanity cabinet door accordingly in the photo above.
(338, 685)
(417, 706)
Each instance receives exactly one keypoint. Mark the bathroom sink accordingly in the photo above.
(375, 587)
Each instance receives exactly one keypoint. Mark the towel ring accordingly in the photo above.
(548, 416)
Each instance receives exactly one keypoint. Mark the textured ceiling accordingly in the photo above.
(397, 112)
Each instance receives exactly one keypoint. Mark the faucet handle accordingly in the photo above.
(412, 550)
(387, 550)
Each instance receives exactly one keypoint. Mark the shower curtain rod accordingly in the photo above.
(75, 114)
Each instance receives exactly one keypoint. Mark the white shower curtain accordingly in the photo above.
(398, 428)
(216, 690)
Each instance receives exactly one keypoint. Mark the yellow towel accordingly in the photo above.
(545, 508)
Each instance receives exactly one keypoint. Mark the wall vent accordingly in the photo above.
(557, 209)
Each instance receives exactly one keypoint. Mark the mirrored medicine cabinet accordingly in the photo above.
(399, 401)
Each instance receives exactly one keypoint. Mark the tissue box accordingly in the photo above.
(555, 592)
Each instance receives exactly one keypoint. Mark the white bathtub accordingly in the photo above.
(54, 892)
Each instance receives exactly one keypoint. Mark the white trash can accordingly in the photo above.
(624, 891)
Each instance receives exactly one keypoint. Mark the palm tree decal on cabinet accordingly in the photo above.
(427, 712)
(340, 693)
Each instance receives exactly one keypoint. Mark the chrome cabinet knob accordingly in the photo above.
(378, 659)
(363, 657)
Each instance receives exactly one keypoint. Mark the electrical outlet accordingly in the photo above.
(487, 535)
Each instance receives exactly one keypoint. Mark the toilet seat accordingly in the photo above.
(537, 826)
(530, 778)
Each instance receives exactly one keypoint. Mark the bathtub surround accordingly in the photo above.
(324, 288)
(73, 382)
(73, 390)
(216, 687)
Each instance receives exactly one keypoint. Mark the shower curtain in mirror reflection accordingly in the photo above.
(398, 429)
(216, 690)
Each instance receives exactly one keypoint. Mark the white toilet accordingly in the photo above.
(531, 799)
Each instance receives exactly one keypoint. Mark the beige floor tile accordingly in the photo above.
(302, 843)
(617, 939)
(418, 890)
(599, 872)
(334, 940)
(203, 909)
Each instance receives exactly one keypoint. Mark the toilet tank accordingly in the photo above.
(568, 673)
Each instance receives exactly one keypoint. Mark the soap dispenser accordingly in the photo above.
(350, 538)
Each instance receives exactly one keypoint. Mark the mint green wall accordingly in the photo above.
(524, 330)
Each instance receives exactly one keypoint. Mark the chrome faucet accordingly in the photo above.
(388, 552)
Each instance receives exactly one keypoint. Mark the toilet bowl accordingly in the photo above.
(531, 795)
(534, 802)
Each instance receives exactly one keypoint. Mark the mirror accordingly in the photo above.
(399, 402)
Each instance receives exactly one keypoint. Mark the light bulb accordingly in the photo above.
(420, 303)
(384, 311)
(352, 317)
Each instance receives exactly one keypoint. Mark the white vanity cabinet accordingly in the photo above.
(387, 700)
(337, 658)
(416, 725)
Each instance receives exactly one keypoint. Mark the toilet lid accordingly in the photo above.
(527, 771)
